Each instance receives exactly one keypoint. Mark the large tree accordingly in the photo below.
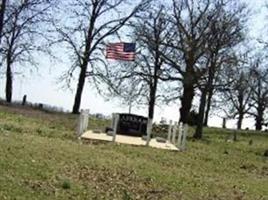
(22, 38)
(90, 24)
(226, 32)
(191, 21)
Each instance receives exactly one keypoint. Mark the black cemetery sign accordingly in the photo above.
(132, 125)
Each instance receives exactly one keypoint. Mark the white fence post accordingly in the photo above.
(149, 131)
(82, 122)
(185, 132)
(169, 130)
(180, 134)
(86, 115)
(115, 127)
(113, 120)
(174, 132)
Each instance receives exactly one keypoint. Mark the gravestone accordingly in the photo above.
(131, 125)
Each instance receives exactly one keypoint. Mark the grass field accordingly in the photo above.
(40, 158)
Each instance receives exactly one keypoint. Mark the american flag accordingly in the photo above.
(121, 51)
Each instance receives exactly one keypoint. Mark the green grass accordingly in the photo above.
(40, 158)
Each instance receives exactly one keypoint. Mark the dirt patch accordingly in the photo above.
(119, 183)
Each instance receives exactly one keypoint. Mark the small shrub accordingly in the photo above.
(126, 196)
(11, 128)
(226, 152)
(266, 153)
(66, 185)
(39, 131)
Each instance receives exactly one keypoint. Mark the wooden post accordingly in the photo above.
(169, 130)
(224, 123)
(180, 135)
(115, 127)
(24, 100)
(185, 132)
(149, 131)
(174, 132)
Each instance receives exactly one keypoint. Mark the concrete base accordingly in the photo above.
(128, 140)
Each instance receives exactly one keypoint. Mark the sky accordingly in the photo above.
(41, 85)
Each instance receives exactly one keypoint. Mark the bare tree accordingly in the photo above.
(259, 97)
(212, 82)
(22, 36)
(150, 33)
(91, 23)
(237, 97)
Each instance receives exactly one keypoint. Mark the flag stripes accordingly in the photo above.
(121, 51)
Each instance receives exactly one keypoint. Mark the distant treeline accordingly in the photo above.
(37, 106)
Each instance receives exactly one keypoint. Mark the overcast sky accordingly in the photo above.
(42, 86)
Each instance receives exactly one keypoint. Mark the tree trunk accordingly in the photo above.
(2, 16)
(80, 87)
(8, 82)
(239, 122)
(188, 92)
(152, 102)
(259, 120)
(258, 124)
(199, 129)
(241, 111)
(153, 89)
(210, 94)
(210, 87)
(82, 75)
(186, 102)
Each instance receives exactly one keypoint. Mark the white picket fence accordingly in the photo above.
(177, 132)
